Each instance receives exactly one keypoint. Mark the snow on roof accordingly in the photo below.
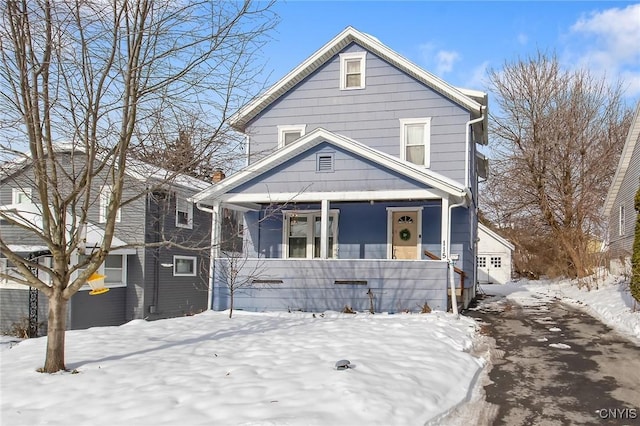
(137, 169)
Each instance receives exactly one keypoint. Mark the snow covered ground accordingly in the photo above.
(275, 368)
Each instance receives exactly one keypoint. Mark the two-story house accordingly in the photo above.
(361, 189)
(145, 279)
(619, 204)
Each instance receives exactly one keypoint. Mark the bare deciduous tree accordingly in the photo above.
(558, 135)
(102, 76)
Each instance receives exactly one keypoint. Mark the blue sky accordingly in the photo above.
(459, 41)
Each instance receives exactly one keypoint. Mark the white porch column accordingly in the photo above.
(214, 251)
(444, 230)
(324, 229)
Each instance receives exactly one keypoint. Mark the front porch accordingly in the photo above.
(374, 255)
(333, 284)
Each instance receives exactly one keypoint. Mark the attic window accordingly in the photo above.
(352, 70)
(290, 133)
(324, 162)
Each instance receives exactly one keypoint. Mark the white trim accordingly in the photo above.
(18, 193)
(426, 122)
(622, 218)
(310, 214)
(187, 208)
(281, 197)
(348, 57)
(390, 212)
(625, 159)
(333, 47)
(324, 229)
(290, 128)
(496, 236)
(194, 262)
(105, 199)
(444, 227)
(318, 136)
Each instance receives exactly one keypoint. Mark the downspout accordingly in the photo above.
(467, 143)
(212, 263)
(452, 284)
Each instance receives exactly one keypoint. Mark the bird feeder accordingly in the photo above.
(96, 282)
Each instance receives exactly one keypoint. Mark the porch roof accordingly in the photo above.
(439, 186)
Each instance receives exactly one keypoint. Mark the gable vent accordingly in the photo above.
(325, 162)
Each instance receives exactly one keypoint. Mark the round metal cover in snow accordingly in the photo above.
(343, 364)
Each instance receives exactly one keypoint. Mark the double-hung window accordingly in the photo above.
(415, 139)
(21, 195)
(184, 213)
(290, 133)
(114, 269)
(106, 194)
(352, 70)
(303, 234)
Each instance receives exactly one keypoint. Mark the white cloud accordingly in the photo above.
(617, 31)
(523, 38)
(478, 78)
(446, 59)
(608, 43)
(440, 61)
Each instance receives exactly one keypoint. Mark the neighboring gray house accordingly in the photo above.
(362, 170)
(144, 282)
(495, 255)
(618, 206)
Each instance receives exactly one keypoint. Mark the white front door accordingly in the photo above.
(404, 237)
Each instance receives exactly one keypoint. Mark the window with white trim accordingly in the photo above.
(352, 70)
(496, 262)
(114, 268)
(290, 133)
(482, 262)
(184, 213)
(621, 221)
(303, 234)
(21, 195)
(184, 266)
(415, 136)
(231, 231)
(3, 269)
(106, 193)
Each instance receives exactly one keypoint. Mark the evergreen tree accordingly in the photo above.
(635, 259)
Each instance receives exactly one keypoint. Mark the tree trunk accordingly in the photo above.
(56, 327)
(231, 303)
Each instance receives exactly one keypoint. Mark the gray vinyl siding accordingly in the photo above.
(166, 295)
(622, 245)
(14, 310)
(96, 311)
(176, 296)
(309, 285)
(369, 115)
(351, 173)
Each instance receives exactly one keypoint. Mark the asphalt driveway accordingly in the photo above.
(554, 364)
